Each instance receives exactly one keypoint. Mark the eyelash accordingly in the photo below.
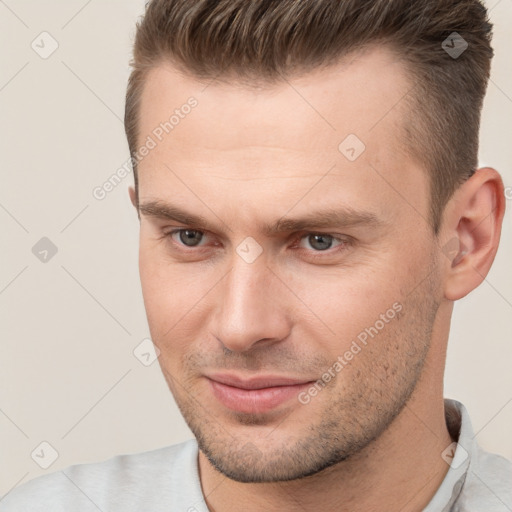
(344, 242)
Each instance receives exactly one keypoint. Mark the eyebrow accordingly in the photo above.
(323, 218)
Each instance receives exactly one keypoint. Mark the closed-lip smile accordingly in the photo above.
(255, 394)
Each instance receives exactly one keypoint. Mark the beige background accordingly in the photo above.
(69, 326)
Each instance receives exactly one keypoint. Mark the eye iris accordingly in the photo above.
(325, 241)
(190, 235)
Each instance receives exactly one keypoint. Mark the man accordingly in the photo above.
(310, 209)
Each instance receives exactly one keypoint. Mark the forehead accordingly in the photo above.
(298, 128)
(357, 95)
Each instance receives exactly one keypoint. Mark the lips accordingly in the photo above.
(256, 394)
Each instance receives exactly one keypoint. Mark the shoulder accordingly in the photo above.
(476, 480)
(121, 481)
(488, 484)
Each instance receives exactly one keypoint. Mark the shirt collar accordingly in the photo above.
(458, 456)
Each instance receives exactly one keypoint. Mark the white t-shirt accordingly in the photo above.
(167, 480)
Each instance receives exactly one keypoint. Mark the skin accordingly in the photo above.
(244, 158)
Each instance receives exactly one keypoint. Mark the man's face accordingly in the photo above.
(348, 303)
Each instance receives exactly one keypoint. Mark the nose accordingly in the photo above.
(251, 310)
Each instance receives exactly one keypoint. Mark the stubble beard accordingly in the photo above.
(375, 389)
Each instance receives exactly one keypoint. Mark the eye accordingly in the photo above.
(320, 241)
(314, 245)
(187, 237)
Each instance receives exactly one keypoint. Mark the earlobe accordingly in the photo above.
(472, 232)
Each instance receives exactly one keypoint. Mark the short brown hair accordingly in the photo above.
(256, 41)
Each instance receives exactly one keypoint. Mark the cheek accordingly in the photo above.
(344, 301)
(175, 294)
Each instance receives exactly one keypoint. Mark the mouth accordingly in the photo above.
(257, 394)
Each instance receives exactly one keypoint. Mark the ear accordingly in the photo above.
(471, 231)
(133, 196)
(134, 199)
